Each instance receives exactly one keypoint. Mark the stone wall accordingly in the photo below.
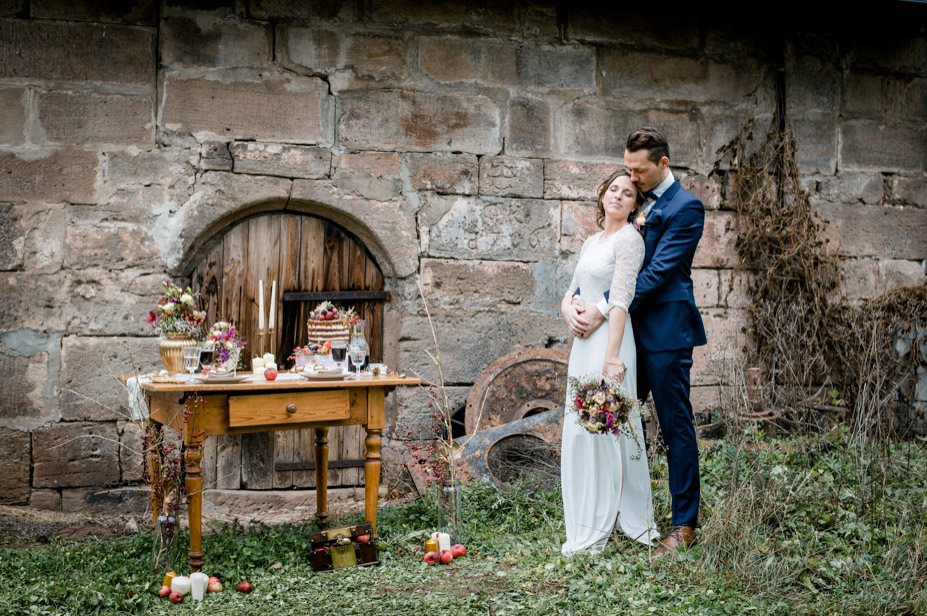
(462, 141)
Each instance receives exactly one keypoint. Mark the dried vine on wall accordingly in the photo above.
(817, 350)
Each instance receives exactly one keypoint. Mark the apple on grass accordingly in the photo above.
(165, 591)
(214, 586)
(176, 597)
(244, 587)
(459, 550)
(446, 556)
(432, 558)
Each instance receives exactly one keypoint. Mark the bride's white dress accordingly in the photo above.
(604, 477)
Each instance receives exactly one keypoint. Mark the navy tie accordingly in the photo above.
(650, 195)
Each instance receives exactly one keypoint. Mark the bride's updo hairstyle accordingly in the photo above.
(603, 188)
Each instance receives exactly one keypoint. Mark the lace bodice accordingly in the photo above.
(609, 265)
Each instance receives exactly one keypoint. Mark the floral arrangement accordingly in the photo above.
(603, 406)
(176, 312)
(227, 344)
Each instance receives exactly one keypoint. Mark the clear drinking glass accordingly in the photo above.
(191, 359)
(358, 347)
(339, 353)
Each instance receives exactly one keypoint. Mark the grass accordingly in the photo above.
(787, 529)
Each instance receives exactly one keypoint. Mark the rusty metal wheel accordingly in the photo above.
(516, 386)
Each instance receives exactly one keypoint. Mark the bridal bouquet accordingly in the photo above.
(224, 340)
(603, 406)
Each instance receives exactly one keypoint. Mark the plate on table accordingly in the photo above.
(221, 379)
(326, 375)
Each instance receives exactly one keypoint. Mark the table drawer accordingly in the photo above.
(284, 408)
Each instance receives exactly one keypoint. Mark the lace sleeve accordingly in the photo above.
(629, 256)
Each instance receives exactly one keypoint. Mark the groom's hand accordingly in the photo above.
(592, 318)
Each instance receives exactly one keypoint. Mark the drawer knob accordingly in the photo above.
(290, 408)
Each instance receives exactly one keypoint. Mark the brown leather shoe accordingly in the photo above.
(679, 536)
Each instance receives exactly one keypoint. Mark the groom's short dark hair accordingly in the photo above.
(650, 139)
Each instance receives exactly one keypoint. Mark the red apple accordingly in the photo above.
(363, 538)
(213, 578)
(270, 374)
(165, 591)
(176, 597)
(214, 586)
(431, 558)
(244, 587)
(458, 550)
(446, 556)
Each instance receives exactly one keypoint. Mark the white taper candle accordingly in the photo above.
(273, 306)
(260, 305)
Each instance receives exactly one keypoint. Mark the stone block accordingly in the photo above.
(500, 62)
(852, 187)
(717, 249)
(867, 144)
(44, 233)
(883, 96)
(706, 287)
(735, 289)
(13, 120)
(12, 8)
(470, 339)
(817, 142)
(727, 333)
(507, 176)
(89, 391)
(615, 24)
(597, 129)
(812, 85)
(12, 239)
(281, 160)
(78, 52)
(485, 284)
(15, 466)
(443, 172)
(471, 15)
(215, 43)
(496, 229)
(110, 501)
(706, 188)
(867, 278)
(420, 121)
(643, 75)
(909, 190)
(45, 500)
(529, 127)
(309, 50)
(873, 231)
(172, 168)
(112, 303)
(138, 12)
(93, 243)
(378, 57)
(289, 109)
(372, 175)
(575, 180)
(29, 365)
(895, 54)
(34, 301)
(577, 222)
(130, 450)
(57, 176)
(77, 454)
(706, 398)
(326, 10)
(215, 156)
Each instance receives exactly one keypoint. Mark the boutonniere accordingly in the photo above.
(655, 218)
(640, 221)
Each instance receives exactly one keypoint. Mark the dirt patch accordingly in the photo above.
(21, 527)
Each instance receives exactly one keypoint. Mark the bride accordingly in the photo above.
(605, 478)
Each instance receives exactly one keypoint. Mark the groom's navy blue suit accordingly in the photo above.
(667, 325)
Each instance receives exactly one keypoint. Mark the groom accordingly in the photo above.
(666, 323)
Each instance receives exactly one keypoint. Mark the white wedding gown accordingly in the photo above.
(604, 477)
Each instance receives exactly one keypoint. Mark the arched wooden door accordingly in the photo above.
(302, 253)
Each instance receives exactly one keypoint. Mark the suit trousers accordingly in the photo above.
(665, 374)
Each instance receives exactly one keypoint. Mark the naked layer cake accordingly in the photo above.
(326, 322)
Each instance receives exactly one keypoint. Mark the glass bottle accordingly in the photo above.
(359, 345)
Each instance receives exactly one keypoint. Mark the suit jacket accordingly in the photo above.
(663, 310)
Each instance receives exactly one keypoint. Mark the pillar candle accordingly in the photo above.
(444, 541)
(260, 305)
(273, 306)
(181, 584)
(198, 583)
(431, 545)
(268, 359)
(168, 578)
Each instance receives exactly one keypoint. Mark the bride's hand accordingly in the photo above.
(614, 370)
(572, 313)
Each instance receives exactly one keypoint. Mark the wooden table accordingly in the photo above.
(259, 406)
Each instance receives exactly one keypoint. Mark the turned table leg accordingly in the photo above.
(321, 476)
(193, 455)
(372, 475)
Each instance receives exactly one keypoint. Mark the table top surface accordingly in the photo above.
(286, 381)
